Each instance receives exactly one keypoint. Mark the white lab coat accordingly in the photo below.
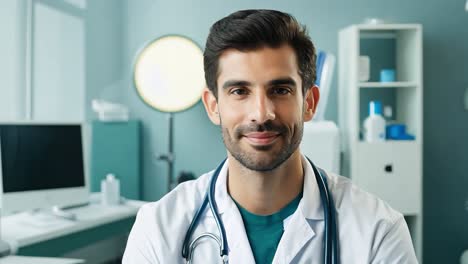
(369, 230)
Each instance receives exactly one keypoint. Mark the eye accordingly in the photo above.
(281, 90)
(239, 91)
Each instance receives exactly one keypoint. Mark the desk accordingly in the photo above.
(37, 260)
(94, 223)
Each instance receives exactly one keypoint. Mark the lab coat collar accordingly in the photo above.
(222, 197)
(295, 235)
(310, 204)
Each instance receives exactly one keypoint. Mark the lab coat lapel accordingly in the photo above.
(298, 229)
(297, 233)
(239, 246)
(238, 243)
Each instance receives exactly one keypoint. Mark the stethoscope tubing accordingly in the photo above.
(214, 210)
(330, 243)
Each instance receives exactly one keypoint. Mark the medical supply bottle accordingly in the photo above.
(374, 124)
(110, 190)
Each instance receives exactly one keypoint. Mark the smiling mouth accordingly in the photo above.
(261, 138)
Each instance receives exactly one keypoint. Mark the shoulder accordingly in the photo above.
(363, 217)
(184, 200)
(158, 231)
(351, 199)
(362, 213)
(381, 230)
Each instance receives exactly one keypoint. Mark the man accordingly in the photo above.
(260, 72)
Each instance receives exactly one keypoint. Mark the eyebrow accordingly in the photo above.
(280, 81)
(283, 81)
(232, 83)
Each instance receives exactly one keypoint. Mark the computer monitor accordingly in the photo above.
(42, 165)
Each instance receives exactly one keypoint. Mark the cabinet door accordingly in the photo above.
(392, 171)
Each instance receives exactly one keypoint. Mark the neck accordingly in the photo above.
(265, 193)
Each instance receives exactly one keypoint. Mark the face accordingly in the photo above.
(260, 105)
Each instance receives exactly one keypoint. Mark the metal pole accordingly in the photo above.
(171, 152)
(169, 157)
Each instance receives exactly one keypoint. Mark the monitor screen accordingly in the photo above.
(40, 157)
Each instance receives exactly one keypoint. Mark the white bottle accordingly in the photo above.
(110, 190)
(374, 124)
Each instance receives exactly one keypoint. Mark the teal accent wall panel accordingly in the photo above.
(115, 148)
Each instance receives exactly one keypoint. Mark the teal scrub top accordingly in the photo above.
(264, 231)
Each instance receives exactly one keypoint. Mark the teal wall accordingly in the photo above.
(144, 21)
(116, 30)
(104, 46)
(198, 144)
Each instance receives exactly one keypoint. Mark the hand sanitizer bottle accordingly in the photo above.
(374, 124)
(110, 190)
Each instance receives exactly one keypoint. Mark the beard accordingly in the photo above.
(265, 157)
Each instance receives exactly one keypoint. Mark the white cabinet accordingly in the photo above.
(392, 170)
(386, 170)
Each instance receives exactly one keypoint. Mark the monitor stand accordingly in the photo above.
(43, 218)
(59, 212)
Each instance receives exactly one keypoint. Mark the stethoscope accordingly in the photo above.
(330, 242)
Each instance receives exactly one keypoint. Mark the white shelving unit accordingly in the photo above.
(392, 170)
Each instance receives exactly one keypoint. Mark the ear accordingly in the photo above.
(311, 100)
(211, 106)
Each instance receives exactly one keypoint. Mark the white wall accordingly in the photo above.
(11, 59)
(58, 81)
(55, 60)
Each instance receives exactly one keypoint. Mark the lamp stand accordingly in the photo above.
(169, 157)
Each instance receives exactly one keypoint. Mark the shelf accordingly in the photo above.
(387, 84)
(389, 143)
(378, 35)
(387, 27)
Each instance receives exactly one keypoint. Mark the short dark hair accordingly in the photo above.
(248, 30)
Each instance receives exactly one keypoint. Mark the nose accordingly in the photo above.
(262, 109)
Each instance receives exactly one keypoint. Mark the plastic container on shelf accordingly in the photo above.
(374, 124)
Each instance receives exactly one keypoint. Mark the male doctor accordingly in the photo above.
(260, 72)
